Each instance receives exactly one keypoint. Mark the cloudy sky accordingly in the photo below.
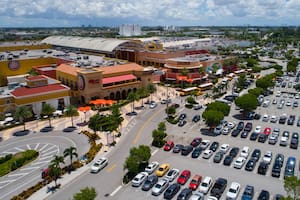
(49, 13)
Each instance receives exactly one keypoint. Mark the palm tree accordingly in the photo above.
(71, 111)
(151, 89)
(132, 97)
(142, 93)
(54, 172)
(48, 110)
(71, 151)
(22, 113)
(57, 160)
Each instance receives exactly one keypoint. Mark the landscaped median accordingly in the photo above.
(94, 149)
(11, 162)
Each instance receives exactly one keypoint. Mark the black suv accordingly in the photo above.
(294, 141)
(262, 168)
(171, 191)
(186, 150)
(218, 188)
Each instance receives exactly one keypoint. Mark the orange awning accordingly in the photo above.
(182, 78)
(102, 102)
(190, 80)
(84, 108)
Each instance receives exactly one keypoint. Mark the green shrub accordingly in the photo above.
(5, 158)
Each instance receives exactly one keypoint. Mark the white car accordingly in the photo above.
(172, 174)
(226, 130)
(153, 105)
(297, 96)
(197, 196)
(151, 167)
(231, 125)
(204, 144)
(267, 157)
(212, 198)
(205, 185)
(239, 163)
(139, 179)
(257, 129)
(273, 119)
(288, 103)
(265, 118)
(245, 152)
(160, 186)
(207, 154)
(233, 191)
(99, 164)
(224, 147)
(283, 141)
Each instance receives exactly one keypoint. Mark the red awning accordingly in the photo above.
(118, 78)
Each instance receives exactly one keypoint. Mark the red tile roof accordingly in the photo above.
(26, 91)
(34, 78)
(118, 78)
(68, 69)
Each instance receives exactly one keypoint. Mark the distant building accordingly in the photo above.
(130, 30)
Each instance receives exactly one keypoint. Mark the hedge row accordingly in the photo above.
(94, 149)
(5, 158)
(16, 161)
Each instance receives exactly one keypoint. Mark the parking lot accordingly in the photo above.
(207, 167)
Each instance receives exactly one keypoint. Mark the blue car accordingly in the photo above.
(248, 193)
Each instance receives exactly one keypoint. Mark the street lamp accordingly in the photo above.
(167, 85)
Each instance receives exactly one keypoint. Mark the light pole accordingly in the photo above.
(167, 85)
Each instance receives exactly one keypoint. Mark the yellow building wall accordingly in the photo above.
(38, 98)
(25, 66)
(22, 47)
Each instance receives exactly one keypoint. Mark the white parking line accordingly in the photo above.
(28, 146)
(48, 153)
(19, 174)
(37, 163)
(7, 181)
(48, 149)
(19, 149)
(46, 157)
(9, 152)
(43, 147)
(154, 152)
(37, 145)
(116, 190)
(29, 168)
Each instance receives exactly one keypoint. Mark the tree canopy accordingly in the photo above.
(22, 113)
(87, 193)
(292, 65)
(256, 91)
(265, 82)
(137, 158)
(212, 117)
(48, 110)
(247, 102)
(292, 187)
(71, 111)
(219, 106)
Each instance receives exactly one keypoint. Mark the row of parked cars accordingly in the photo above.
(259, 134)
(207, 149)
(282, 119)
(197, 187)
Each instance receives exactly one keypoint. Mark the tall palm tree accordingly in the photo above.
(22, 113)
(142, 93)
(71, 151)
(71, 111)
(151, 89)
(132, 97)
(48, 110)
(57, 160)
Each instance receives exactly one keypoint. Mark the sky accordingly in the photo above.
(67, 13)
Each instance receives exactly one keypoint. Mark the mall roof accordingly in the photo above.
(42, 90)
(96, 44)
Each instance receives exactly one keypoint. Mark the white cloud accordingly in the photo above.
(162, 11)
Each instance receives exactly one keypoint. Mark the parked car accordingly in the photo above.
(228, 160)
(160, 186)
(205, 185)
(178, 148)
(139, 179)
(226, 130)
(250, 165)
(244, 134)
(181, 123)
(254, 136)
(171, 191)
(99, 164)
(294, 141)
(182, 116)
(214, 146)
(256, 154)
(162, 170)
(218, 187)
(204, 144)
(235, 132)
(264, 195)
(195, 182)
(267, 131)
(248, 193)
(284, 138)
(240, 125)
(196, 152)
(273, 139)
(184, 177)
(218, 130)
(197, 196)
(207, 154)
(196, 118)
(276, 169)
(257, 129)
(196, 141)
(262, 138)
(218, 156)
(239, 162)
(185, 194)
(153, 105)
(248, 127)
(290, 167)
(267, 157)
(151, 167)
(169, 145)
(150, 182)
(262, 168)
(172, 174)
(273, 119)
(233, 191)
(186, 150)
(245, 152)
(234, 151)
(224, 147)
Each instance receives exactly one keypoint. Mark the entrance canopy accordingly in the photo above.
(102, 102)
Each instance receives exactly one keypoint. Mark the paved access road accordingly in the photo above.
(48, 145)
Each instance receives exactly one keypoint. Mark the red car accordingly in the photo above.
(184, 177)
(169, 145)
(267, 131)
(195, 182)
(196, 142)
